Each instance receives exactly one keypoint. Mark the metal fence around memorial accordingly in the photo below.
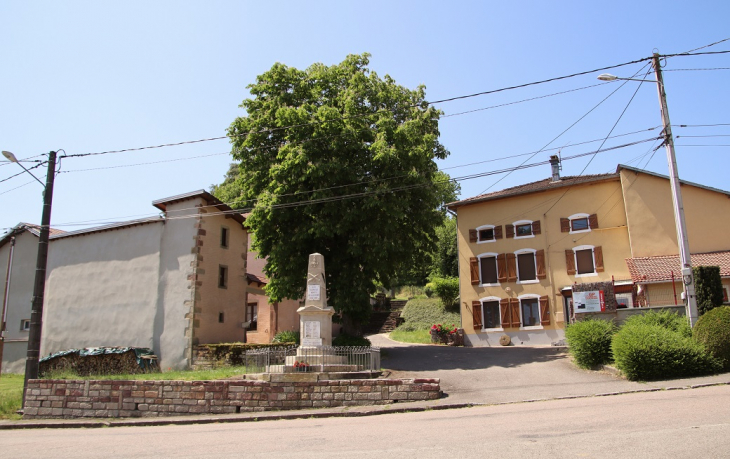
(332, 359)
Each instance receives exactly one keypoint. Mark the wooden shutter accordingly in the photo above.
(476, 313)
(570, 262)
(510, 230)
(536, 227)
(598, 258)
(540, 262)
(505, 313)
(564, 225)
(593, 221)
(502, 267)
(498, 232)
(474, 269)
(472, 235)
(544, 311)
(514, 306)
(511, 267)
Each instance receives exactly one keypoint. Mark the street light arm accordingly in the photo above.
(36, 178)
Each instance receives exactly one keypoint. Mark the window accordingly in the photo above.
(224, 237)
(220, 317)
(526, 269)
(530, 310)
(488, 269)
(252, 311)
(724, 294)
(579, 223)
(523, 229)
(490, 313)
(222, 276)
(584, 260)
(485, 233)
(25, 325)
(624, 300)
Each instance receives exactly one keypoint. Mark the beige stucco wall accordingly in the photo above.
(213, 300)
(650, 214)
(602, 198)
(19, 298)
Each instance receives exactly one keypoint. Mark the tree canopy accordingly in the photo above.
(336, 160)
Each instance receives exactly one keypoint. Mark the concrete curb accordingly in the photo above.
(308, 414)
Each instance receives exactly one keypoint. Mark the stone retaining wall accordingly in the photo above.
(48, 398)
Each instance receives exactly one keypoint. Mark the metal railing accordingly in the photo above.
(325, 359)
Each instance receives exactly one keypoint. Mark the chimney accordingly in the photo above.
(555, 164)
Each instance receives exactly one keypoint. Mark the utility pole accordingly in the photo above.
(36, 316)
(682, 241)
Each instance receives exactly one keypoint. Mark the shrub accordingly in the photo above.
(647, 352)
(712, 330)
(708, 287)
(665, 319)
(447, 288)
(286, 336)
(421, 314)
(589, 342)
(348, 340)
(428, 289)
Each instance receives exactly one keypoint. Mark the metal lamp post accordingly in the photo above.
(679, 220)
(36, 317)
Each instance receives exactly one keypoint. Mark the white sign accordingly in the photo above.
(313, 292)
(591, 301)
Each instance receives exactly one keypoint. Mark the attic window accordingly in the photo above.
(486, 234)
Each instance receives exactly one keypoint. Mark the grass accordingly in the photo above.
(11, 395)
(417, 336)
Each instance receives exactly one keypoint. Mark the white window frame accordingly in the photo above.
(628, 296)
(577, 217)
(498, 300)
(523, 222)
(484, 227)
(517, 265)
(575, 258)
(496, 263)
(23, 326)
(530, 296)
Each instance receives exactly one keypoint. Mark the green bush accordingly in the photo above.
(428, 289)
(348, 340)
(708, 287)
(665, 319)
(589, 342)
(286, 336)
(447, 288)
(647, 352)
(712, 330)
(421, 314)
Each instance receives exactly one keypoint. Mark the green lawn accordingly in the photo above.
(417, 336)
(11, 395)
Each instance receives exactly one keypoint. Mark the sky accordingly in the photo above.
(90, 77)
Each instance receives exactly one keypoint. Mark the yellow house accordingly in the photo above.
(524, 250)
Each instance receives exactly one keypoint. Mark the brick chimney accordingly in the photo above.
(555, 165)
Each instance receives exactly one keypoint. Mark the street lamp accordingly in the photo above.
(682, 240)
(36, 316)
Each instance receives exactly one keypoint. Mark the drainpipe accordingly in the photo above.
(3, 323)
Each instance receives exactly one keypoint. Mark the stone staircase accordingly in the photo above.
(386, 321)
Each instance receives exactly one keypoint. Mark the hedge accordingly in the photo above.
(422, 313)
(712, 330)
(589, 342)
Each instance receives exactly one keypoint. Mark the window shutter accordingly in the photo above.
(570, 262)
(472, 235)
(505, 312)
(544, 311)
(593, 221)
(476, 312)
(511, 267)
(536, 227)
(514, 306)
(498, 232)
(564, 225)
(510, 230)
(474, 268)
(502, 267)
(540, 261)
(598, 258)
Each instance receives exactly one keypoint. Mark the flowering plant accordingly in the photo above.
(298, 364)
(442, 330)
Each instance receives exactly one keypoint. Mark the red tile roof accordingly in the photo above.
(660, 268)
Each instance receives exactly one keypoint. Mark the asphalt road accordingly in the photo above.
(665, 424)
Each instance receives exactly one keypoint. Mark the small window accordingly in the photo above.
(523, 230)
(224, 237)
(221, 317)
(530, 312)
(579, 224)
(491, 315)
(624, 300)
(526, 267)
(222, 276)
(25, 325)
(584, 261)
(252, 310)
(488, 270)
(486, 234)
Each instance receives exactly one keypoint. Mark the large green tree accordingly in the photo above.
(336, 160)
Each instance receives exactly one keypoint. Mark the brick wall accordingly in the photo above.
(110, 399)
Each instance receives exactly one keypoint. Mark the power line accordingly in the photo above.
(22, 172)
(148, 163)
(695, 70)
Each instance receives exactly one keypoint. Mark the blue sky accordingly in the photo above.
(98, 76)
